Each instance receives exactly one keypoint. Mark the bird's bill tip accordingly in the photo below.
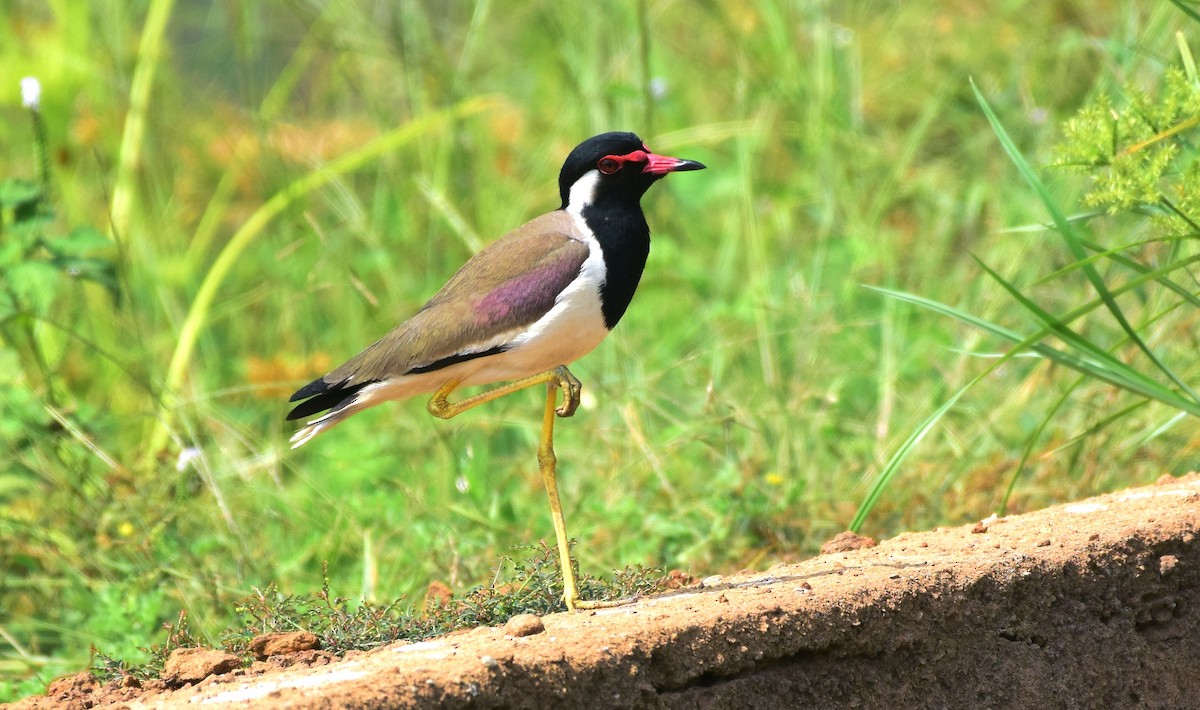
(663, 164)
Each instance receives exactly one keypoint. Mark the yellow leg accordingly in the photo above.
(546, 464)
(559, 378)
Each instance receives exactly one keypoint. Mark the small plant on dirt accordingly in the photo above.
(532, 586)
(339, 624)
(179, 635)
(536, 588)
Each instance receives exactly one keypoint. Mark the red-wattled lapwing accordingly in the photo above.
(519, 311)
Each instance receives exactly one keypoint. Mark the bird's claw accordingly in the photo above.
(571, 388)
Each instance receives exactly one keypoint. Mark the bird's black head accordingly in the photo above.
(613, 167)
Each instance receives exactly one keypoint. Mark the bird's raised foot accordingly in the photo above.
(571, 388)
(439, 404)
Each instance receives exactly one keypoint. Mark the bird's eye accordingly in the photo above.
(609, 165)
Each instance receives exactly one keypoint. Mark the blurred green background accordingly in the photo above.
(278, 184)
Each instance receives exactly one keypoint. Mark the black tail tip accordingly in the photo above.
(312, 389)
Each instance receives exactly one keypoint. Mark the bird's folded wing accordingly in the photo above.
(493, 298)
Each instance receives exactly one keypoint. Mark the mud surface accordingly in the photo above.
(1093, 604)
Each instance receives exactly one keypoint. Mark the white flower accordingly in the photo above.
(186, 457)
(31, 92)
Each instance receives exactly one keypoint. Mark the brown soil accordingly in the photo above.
(1093, 604)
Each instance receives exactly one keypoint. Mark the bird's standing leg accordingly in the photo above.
(556, 379)
(546, 464)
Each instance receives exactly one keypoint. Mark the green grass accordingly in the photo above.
(299, 177)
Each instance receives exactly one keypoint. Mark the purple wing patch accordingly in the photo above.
(527, 297)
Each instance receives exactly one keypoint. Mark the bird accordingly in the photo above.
(517, 312)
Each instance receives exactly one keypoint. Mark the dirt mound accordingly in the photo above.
(1094, 603)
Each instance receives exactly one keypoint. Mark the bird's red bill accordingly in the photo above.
(657, 164)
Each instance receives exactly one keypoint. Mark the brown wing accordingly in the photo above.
(496, 295)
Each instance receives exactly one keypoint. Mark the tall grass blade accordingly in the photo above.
(269, 109)
(130, 155)
(1116, 255)
(1104, 367)
(897, 459)
(1116, 376)
(1187, 10)
(1031, 441)
(1067, 231)
(1100, 363)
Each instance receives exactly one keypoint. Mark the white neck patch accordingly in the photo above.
(582, 192)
